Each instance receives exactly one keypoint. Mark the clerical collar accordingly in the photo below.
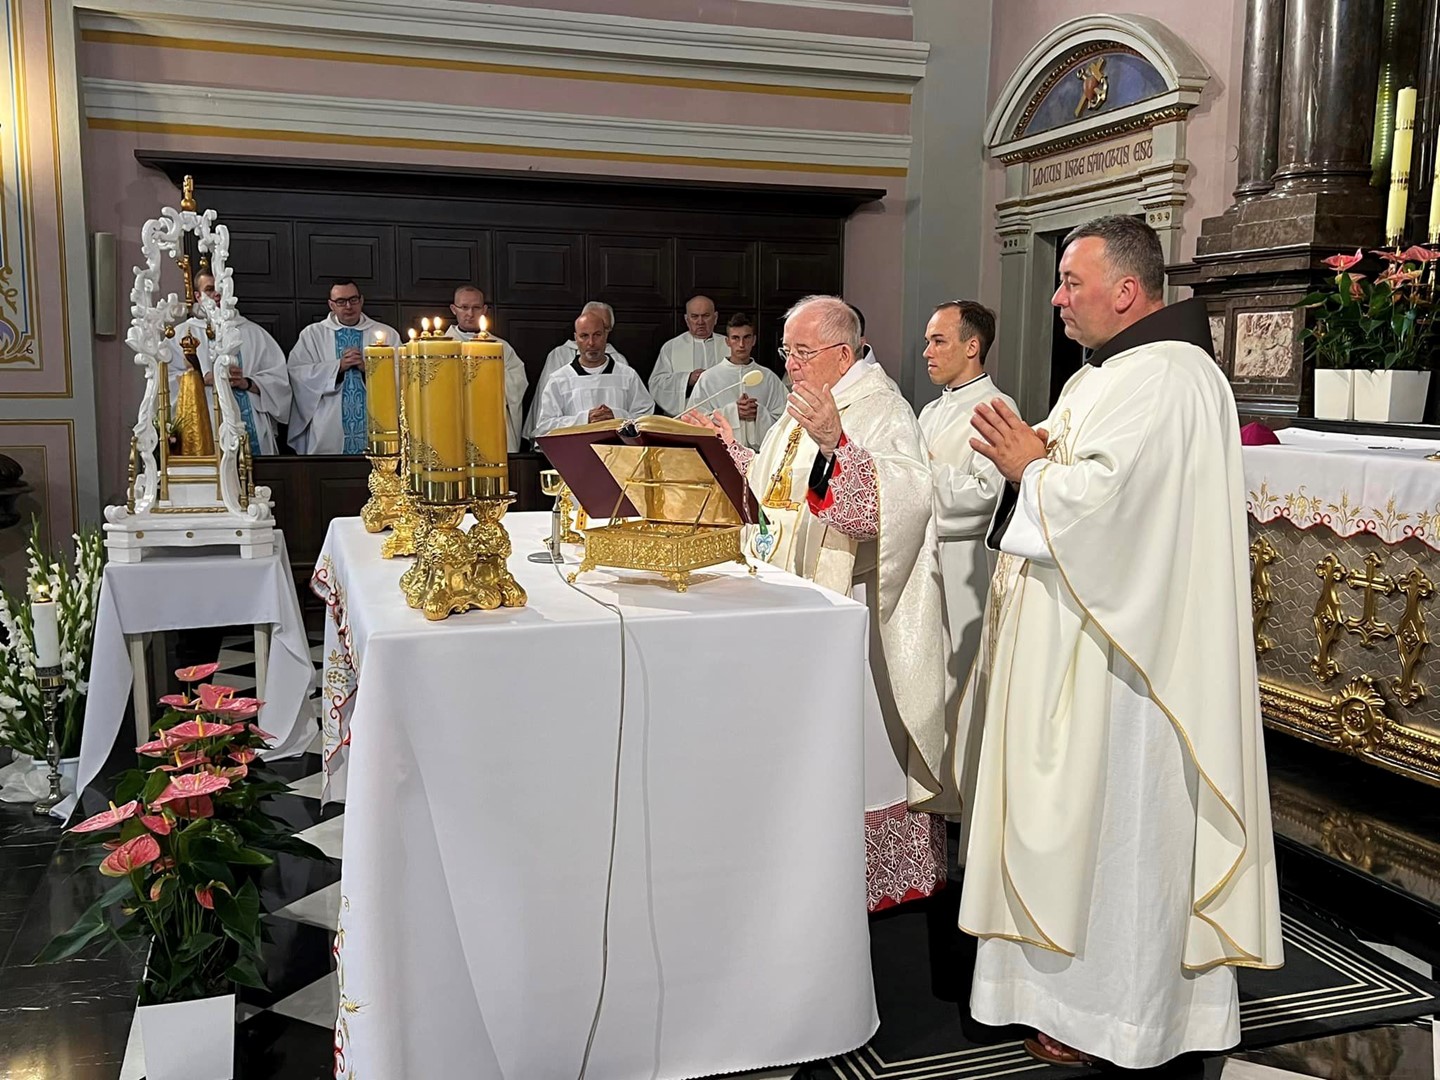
(963, 385)
(1186, 321)
(581, 369)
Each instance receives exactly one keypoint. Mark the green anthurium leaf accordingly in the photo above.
(247, 857)
(129, 786)
(154, 785)
(197, 945)
(245, 973)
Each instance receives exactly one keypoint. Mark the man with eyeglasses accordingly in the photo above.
(847, 446)
(469, 307)
(327, 375)
(683, 359)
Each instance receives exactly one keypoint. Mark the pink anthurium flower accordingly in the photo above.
(234, 772)
(238, 707)
(131, 855)
(191, 730)
(164, 864)
(213, 696)
(156, 888)
(1341, 263)
(108, 818)
(175, 701)
(205, 896)
(192, 786)
(158, 824)
(244, 755)
(258, 730)
(1416, 253)
(196, 672)
(194, 809)
(185, 759)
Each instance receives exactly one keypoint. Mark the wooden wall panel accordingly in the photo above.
(631, 271)
(434, 261)
(536, 268)
(361, 251)
(262, 257)
(723, 270)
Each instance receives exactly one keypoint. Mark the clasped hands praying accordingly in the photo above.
(1006, 440)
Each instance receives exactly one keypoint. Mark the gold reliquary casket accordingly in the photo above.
(671, 493)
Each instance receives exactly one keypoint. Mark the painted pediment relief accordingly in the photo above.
(1092, 78)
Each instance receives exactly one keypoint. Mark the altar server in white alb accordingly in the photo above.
(469, 307)
(751, 407)
(564, 354)
(683, 359)
(844, 485)
(967, 484)
(258, 378)
(327, 376)
(594, 387)
(1120, 863)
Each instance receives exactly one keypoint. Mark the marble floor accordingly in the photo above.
(1357, 846)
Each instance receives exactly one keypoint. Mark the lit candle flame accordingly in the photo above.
(412, 334)
(439, 325)
(484, 322)
(379, 337)
(425, 325)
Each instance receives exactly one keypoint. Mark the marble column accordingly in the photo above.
(1427, 127)
(1327, 100)
(1260, 97)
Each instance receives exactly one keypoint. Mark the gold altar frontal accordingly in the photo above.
(673, 497)
(1342, 641)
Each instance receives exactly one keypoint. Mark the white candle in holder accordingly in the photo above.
(46, 622)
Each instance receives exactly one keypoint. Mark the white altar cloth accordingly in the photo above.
(1349, 484)
(481, 766)
(185, 589)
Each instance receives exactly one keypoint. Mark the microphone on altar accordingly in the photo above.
(750, 378)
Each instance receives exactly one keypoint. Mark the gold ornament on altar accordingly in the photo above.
(455, 458)
(386, 506)
(674, 499)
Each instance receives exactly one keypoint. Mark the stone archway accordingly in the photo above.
(1091, 122)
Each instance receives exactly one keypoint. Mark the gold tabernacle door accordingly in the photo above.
(674, 498)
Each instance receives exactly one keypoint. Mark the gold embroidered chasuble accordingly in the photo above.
(900, 567)
(1142, 508)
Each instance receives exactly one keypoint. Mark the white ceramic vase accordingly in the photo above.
(189, 1040)
(1391, 397)
(1334, 394)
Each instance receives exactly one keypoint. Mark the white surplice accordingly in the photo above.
(670, 381)
(515, 384)
(1120, 853)
(261, 360)
(564, 354)
(573, 391)
(315, 423)
(720, 388)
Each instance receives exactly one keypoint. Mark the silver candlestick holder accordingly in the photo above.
(51, 681)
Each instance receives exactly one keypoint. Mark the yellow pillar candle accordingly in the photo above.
(1434, 230)
(382, 406)
(441, 432)
(485, 435)
(1400, 166)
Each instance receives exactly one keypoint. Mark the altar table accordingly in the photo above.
(481, 766)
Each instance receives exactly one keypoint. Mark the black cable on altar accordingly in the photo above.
(614, 822)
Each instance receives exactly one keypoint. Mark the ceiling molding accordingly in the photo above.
(254, 113)
(501, 34)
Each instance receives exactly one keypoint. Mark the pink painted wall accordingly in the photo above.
(120, 195)
(1214, 30)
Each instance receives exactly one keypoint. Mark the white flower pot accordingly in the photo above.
(1391, 397)
(1334, 394)
(189, 1040)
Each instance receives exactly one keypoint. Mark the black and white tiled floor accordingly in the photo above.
(74, 1021)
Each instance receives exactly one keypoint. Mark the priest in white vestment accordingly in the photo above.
(327, 376)
(750, 409)
(564, 354)
(1120, 863)
(258, 377)
(966, 488)
(683, 359)
(594, 387)
(469, 308)
(844, 486)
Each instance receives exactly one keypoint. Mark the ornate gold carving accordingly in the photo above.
(1329, 619)
(1097, 134)
(1412, 637)
(1060, 71)
(1262, 554)
(427, 367)
(1368, 626)
(187, 198)
(572, 517)
(1348, 838)
(672, 550)
(1360, 713)
(1094, 87)
(387, 494)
